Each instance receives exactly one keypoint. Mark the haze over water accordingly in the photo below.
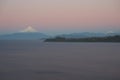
(35, 60)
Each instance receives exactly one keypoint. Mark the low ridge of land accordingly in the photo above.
(115, 38)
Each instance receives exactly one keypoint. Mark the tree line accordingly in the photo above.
(115, 38)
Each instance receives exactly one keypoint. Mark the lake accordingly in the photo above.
(36, 60)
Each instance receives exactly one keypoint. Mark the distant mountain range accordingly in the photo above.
(29, 33)
(36, 35)
(24, 36)
(87, 35)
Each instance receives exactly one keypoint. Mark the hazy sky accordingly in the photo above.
(60, 16)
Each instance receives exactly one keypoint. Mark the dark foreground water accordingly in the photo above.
(35, 60)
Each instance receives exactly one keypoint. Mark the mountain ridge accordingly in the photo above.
(38, 35)
(23, 36)
(87, 34)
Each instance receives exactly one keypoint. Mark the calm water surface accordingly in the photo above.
(36, 60)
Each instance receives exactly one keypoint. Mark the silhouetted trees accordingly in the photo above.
(115, 38)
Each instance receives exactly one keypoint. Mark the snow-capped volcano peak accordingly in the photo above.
(29, 29)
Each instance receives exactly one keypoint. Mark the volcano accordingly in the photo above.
(29, 29)
(27, 34)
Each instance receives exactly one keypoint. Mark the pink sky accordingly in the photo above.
(56, 15)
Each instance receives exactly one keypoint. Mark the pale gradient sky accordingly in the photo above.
(60, 16)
